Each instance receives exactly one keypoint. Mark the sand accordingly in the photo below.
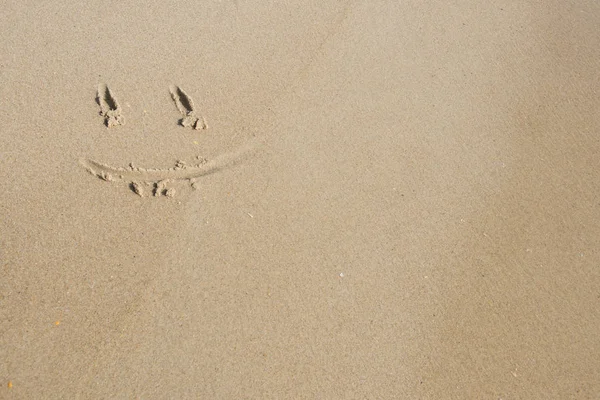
(303, 199)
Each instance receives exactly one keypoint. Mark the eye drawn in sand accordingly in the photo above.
(109, 107)
(185, 105)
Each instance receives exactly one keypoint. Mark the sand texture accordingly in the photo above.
(333, 199)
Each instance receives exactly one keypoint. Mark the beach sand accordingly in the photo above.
(298, 200)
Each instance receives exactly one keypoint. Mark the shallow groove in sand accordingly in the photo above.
(157, 177)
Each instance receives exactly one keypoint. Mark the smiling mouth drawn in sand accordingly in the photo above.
(158, 181)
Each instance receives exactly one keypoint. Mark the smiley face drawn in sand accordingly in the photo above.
(156, 182)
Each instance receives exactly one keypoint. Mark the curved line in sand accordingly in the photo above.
(178, 172)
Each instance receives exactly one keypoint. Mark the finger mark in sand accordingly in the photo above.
(185, 105)
(109, 107)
